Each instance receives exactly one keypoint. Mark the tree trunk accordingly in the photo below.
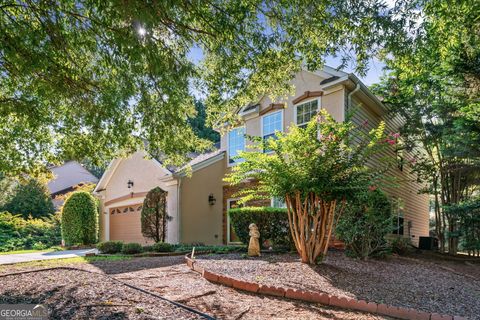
(312, 221)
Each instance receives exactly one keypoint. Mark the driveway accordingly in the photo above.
(36, 256)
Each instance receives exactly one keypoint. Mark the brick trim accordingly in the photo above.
(317, 297)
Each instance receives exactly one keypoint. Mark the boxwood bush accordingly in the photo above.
(163, 247)
(80, 219)
(110, 246)
(131, 248)
(271, 222)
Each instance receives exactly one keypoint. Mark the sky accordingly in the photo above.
(373, 74)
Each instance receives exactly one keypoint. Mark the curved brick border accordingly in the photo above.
(319, 297)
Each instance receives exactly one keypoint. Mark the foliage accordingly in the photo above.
(7, 188)
(213, 249)
(433, 81)
(80, 219)
(198, 124)
(272, 224)
(83, 78)
(131, 248)
(17, 233)
(110, 247)
(30, 198)
(467, 215)
(154, 215)
(400, 245)
(365, 223)
(163, 247)
(313, 169)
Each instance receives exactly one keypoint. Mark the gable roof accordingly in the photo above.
(197, 161)
(68, 175)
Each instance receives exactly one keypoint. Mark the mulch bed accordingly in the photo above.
(68, 293)
(71, 294)
(178, 283)
(400, 282)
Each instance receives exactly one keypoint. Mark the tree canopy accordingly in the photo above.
(433, 81)
(94, 78)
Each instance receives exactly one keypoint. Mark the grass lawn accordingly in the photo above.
(25, 251)
(60, 262)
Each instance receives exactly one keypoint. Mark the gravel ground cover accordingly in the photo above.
(70, 294)
(423, 285)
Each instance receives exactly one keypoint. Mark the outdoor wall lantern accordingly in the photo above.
(130, 184)
(211, 199)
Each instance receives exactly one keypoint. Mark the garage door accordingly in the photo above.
(125, 224)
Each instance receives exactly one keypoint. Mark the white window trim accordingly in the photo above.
(319, 99)
(269, 114)
(228, 146)
(228, 221)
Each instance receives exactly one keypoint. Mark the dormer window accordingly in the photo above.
(271, 123)
(305, 112)
(236, 143)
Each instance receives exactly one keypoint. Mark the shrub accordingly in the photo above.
(400, 245)
(80, 219)
(272, 224)
(17, 233)
(131, 248)
(147, 248)
(110, 246)
(30, 199)
(365, 223)
(154, 215)
(163, 247)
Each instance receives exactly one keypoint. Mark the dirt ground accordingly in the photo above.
(80, 295)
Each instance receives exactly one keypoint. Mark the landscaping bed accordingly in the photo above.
(168, 277)
(72, 294)
(410, 283)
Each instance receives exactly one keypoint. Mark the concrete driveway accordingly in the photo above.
(36, 256)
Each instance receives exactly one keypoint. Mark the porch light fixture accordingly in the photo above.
(130, 184)
(211, 199)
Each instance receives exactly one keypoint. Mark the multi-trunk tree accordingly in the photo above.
(433, 81)
(315, 170)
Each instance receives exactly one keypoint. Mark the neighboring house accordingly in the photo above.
(66, 177)
(198, 204)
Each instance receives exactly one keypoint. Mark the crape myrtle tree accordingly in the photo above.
(315, 170)
(154, 215)
(90, 79)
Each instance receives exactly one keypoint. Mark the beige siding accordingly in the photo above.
(404, 186)
(202, 222)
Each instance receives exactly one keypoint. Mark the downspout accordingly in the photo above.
(349, 97)
(179, 189)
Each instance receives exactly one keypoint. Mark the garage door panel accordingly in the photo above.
(125, 224)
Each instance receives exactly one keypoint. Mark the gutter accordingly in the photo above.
(349, 97)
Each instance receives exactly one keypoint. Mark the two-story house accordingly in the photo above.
(198, 204)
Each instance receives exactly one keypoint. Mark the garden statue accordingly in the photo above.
(254, 245)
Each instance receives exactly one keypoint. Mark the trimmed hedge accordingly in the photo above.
(110, 246)
(163, 247)
(272, 224)
(132, 248)
(80, 219)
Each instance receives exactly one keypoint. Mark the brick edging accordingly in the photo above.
(318, 297)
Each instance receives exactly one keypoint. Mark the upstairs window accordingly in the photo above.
(305, 112)
(271, 123)
(236, 143)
